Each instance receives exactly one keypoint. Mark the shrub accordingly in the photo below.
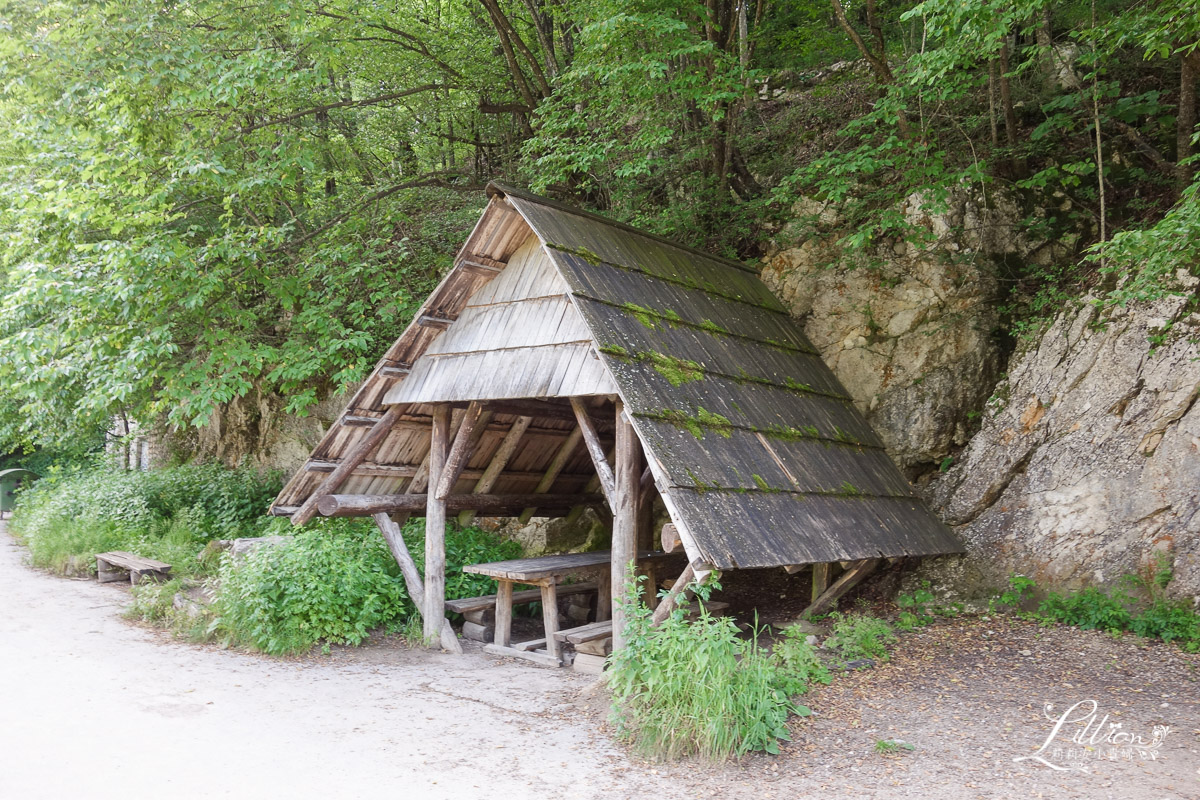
(1090, 609)
(335, 582)
(168, 514)
(855, 637)
(696, 688)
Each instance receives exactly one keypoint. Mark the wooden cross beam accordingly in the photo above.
(350, 461)
(499, 461)
(473, 425)
(849, 579)
(556, 466)
(596, 450)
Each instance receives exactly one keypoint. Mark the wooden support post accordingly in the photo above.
(624, 536)
(435, 520)
(596, 450)
(473, 424)
(645, 511)
(664, 608)
(849, 579)
(820, 581)
(503, 613)
(412, 579)
(550, 617)
(349, 462)
(499, 461)
(556, 466)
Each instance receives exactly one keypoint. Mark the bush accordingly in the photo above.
(167, 514)
(696, 688)
(1090, 609)
(335, 582)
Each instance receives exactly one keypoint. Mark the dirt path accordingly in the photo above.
(93, 706)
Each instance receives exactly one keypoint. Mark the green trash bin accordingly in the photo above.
(10, 481)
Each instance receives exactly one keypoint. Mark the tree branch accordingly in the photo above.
(383, 98)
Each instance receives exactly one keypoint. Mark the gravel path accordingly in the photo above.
(94, 707)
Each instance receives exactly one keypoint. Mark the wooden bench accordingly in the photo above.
(116, 565)
(593, 643)
(480, 612)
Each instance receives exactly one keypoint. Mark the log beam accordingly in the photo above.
(845, 583)
(595, 450)
(556, 466)
(664, 608)
(361, 505)
(435, 522)
(499, 461)
(350, 461)
(624, 536)
(473, 425)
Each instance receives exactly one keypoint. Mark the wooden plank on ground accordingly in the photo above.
(511, 652)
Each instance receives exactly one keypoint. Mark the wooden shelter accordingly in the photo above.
(568, 360)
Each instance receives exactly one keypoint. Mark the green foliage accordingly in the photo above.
(696, 688)
(857, 636)
(335, 582)
(169, 514)
(1018, 591)
(1117, 612)
(889, 747)
(1090, 609)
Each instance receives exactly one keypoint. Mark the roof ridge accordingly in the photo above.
(495, 187)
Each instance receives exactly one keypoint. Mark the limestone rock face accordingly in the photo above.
(907, 329)
(1088, 462)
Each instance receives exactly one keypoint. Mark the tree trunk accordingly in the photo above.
(1185, 119)
(1019, 168)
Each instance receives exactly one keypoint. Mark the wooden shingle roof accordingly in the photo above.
(759, 453)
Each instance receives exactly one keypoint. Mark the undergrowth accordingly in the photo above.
(335, 581)
(695, 687)
(167, 514)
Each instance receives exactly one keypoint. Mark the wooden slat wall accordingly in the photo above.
(518, 337)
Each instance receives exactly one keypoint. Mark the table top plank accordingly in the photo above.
(557, 566)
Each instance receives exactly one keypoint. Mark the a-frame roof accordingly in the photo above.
(759, 453)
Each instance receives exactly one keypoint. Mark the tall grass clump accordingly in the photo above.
(696, 688)
(167, 514)
(335, 582)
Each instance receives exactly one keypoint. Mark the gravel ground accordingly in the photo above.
(95, 706)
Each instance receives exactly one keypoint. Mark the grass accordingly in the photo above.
(696, 688)
(856, 636)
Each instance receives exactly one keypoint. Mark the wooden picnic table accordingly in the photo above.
(546, 572)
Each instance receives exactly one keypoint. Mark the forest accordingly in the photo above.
(204, 201)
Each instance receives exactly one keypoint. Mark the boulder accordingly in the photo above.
(907, 328)
(1086, 467)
